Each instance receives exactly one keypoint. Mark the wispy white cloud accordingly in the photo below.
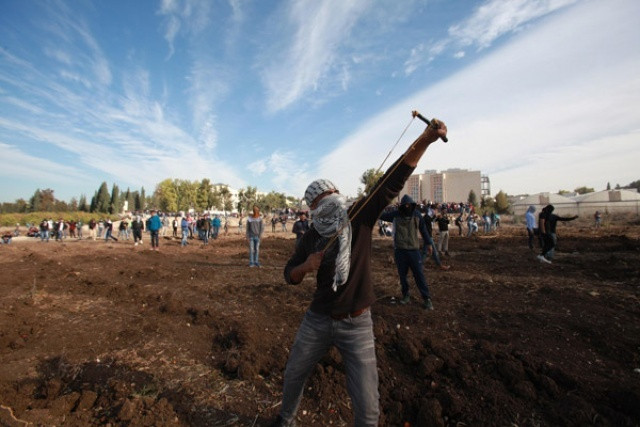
(284, 169)
(497, 17)
(317, 31)
(488, 22)
(59, 55)
(207, 89)
(39, 169)
(188, 16)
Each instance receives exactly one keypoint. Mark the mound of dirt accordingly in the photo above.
(113, 334)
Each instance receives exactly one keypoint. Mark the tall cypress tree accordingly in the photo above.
(115, 200)
(82, 204)
(35, 202)
(143, 199)
(94, 202)
(102, 199)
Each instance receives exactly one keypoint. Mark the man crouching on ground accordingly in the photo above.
(340, 310)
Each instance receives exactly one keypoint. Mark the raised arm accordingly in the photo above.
(431, 134)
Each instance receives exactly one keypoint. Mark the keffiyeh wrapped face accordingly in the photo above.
(330, 217)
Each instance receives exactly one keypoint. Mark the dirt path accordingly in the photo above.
(97, 333)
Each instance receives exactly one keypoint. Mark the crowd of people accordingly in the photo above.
(188, 227)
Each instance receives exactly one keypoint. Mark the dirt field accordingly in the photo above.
(111, 334)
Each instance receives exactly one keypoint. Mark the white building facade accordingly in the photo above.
(451, 185)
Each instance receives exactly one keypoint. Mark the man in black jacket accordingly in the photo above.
(547, 222)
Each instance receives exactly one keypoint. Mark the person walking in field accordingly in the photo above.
(300, 227)
(337, 250)
(137, 227)
(184, 227)
(215, 225)
(428, 221)
(154, 225)
(443, 233)
(547, 222)
(44, 230)
(175, 226)
(255, 228)
(108, 234)
(93, 225)
(597, 217)
(531, 225)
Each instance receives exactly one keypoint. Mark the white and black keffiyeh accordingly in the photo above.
(330, 218)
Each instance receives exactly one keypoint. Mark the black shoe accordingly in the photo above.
(428, 305)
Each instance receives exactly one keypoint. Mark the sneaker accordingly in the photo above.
(445, 267)
(405, 299)
(135, 244)
(428, 305)
(543, 259)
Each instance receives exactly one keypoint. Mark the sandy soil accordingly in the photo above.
(95, 333)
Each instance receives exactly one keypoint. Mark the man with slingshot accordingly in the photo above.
(337, 249)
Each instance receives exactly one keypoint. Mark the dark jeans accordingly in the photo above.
(154, 238)
(532, 235)
(549, 244)
(411, 259)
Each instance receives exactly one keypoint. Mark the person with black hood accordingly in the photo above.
(407, 224)
(547, 222)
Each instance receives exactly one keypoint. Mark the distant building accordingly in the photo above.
(451, 185)
(607, 201)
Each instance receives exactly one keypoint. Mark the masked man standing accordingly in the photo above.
(407, 224)
(337, 249)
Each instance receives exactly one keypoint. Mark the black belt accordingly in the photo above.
(352, 314)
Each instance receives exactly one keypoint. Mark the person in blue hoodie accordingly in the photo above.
(215, 226)
(154, 224)
(407, 225)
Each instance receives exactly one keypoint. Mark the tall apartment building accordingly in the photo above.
(451, 185)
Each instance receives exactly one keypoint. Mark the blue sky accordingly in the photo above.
(539, 95)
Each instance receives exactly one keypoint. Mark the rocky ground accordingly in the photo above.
(111, 334)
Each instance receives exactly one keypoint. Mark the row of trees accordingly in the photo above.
(173, 195)
(103, 201)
